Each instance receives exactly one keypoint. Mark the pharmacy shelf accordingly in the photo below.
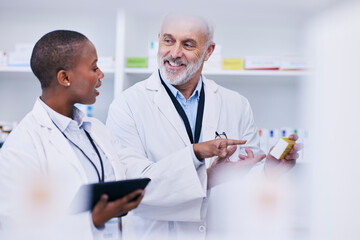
(230, 72)
(15, 69)
(256, 73)
(27, 69)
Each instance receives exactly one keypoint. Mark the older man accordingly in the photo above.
(176, 109)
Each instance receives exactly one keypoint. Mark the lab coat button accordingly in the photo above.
(202, 228)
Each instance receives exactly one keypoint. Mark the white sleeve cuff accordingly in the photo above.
(197, 162)
(95, 230)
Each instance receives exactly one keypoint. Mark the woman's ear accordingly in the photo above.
(63, 78)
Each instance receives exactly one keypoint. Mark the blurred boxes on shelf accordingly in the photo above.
(106, 63)
(152, 55)
(269, 138)
(3, 59)
(233, 64)
(262, 63)
(293, 63)
(5, 129)
(215, 60)
(21, 56)
(136, 62)
(86, 109)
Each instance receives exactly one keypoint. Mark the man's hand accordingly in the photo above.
(223, 170)
(276, 167)
(104, 210)
(217, 147)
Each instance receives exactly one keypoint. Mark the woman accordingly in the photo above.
(59, 145)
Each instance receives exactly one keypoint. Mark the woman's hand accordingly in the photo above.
(104, 210)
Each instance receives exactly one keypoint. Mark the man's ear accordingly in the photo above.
(63, 78)
(209, 51)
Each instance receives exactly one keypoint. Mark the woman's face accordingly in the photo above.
(85, 75)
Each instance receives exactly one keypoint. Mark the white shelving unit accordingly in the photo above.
(22, 23)
(264, 73)
(14, 69)
(274, 95)
(122, 33)
(28, 70)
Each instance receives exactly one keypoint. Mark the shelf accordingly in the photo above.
(15, 69)
(230, 72)
(209, 72)
(27, 69)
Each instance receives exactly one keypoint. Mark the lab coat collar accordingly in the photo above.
(56, 138)
(178, 95)
(212, 110)
(165, 105)
(63, 122)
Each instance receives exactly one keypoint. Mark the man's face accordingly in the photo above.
(181, 49)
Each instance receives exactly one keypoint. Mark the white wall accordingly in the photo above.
(242, 28)
(18, 91)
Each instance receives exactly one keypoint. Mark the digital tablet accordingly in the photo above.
(89, 194)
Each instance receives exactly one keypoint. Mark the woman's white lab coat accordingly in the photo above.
(36, 153)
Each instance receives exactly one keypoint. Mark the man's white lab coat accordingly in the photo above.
(144, 117)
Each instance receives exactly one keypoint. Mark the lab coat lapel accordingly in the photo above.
(211, 110)
(63, 146)
(55, 138)
(98, 134)
(166, 107)
(211, 113)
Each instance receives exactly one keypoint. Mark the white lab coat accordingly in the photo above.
(143, 117)
(37, 149)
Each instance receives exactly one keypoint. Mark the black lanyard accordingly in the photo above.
(180, 110)
(101, 179)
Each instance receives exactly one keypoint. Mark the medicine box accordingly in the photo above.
(18, 59)
(106, 62)
(136, 62)
(293, 63)
(282, 148)
(3, 59)
(214, 63)
(233, 64)
(152, 55)
(262, 63)
(21, 56)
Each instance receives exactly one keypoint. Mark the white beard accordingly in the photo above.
(180, 77)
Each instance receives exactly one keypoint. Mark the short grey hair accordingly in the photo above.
(207, 22)
(210, 31)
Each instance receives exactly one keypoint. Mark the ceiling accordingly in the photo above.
(158, 6)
